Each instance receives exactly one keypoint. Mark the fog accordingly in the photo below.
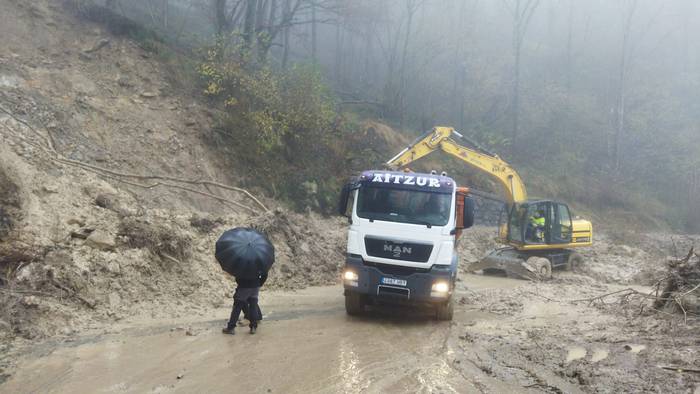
(598, 91)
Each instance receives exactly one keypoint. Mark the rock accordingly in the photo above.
(105, 201)
(76, 222)
(47, 188)
(149, 94)
(84, 56)
(124, 82)
(114, 268)
(30, 301)
(24, 273)
(9, 81)
(82, 233)
(101, 240)
(626, 250)
(190, 332)
(97, 46)
(180, 376)
(114, 300)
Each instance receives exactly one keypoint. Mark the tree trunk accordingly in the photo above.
(622, 87)
(285, 34)
(411, 9)
(165, 14)
(565, 138)
(515, 131)
(522, 14)
(338, 53)
(266, 31)
(249, 26)
(313, 33)
(220, 16)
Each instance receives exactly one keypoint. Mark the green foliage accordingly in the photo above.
(280, 122)
(268, 108)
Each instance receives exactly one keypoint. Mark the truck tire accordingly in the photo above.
(574, 262)
(445, 311)
(354, 304)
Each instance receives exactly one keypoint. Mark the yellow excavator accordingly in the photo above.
(538, 234)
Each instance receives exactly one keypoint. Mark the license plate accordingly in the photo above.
(392, 281)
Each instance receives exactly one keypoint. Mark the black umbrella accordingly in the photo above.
(244, 253)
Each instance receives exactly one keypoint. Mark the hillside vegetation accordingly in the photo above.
(588, 109)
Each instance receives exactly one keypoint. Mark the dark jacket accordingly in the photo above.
(252, 283)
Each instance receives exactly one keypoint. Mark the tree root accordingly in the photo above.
(48, 147)
(682, 280)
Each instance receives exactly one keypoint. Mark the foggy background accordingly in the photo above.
(596, 101)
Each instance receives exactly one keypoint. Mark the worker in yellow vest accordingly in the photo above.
(537, 223)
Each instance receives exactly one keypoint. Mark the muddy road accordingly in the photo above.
(507, 336)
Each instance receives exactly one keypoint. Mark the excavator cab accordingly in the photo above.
(539, 223)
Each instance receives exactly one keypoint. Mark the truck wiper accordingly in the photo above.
(423, 222)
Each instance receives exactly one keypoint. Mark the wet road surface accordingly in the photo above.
(305, 344)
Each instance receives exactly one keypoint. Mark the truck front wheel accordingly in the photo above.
(445, 311)
(354, 304)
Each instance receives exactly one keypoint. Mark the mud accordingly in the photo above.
(542, 343)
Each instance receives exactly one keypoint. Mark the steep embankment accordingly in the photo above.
(96, 223)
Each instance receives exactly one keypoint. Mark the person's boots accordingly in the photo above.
(253, 328)
(229, 330)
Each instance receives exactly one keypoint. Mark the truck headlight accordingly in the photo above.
(349, 275)
(351, 278)
(440, 289)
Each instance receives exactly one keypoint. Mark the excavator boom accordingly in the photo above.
(441, 138)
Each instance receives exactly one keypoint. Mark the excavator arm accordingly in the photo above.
(480, 159)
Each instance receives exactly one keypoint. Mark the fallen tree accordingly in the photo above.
(681, 287)
(677, 292)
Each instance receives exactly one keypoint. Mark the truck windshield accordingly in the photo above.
(404, 206)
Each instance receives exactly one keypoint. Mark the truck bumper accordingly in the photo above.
(418, 287)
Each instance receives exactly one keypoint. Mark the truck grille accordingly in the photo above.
(393, 292)
(406, 251)
(396, 270)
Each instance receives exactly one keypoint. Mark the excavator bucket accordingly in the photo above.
(513, 264)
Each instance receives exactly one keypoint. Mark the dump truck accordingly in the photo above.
(402, 239)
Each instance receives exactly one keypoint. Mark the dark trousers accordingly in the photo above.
(246, 301)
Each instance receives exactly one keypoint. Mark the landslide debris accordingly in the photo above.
(309, 249)
(681, 286)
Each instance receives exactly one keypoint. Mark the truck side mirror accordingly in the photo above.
(344, 198)
(468, 214)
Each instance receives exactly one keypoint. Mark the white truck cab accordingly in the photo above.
(402, 239)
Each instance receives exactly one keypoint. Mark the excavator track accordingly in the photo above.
(522, 265)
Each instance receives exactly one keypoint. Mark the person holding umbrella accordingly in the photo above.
(247, 255)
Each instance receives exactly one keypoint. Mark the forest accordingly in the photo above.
(595, 102)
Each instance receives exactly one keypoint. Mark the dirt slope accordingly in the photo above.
(81, 244)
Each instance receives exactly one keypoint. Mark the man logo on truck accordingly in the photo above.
(397, 250)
